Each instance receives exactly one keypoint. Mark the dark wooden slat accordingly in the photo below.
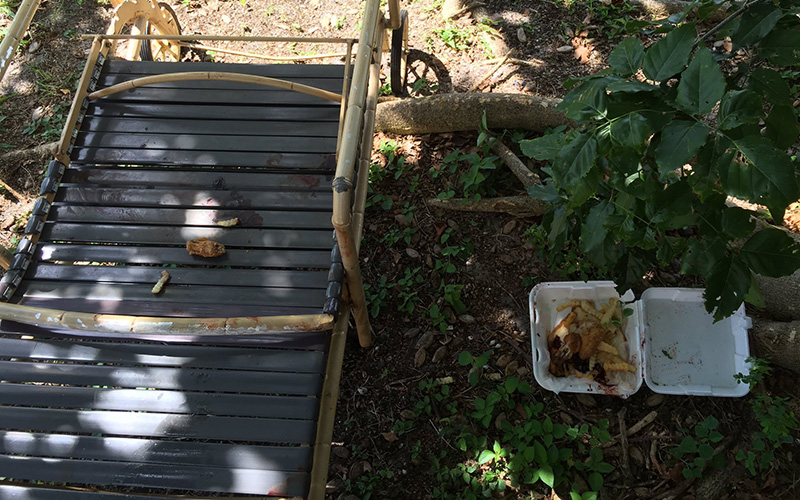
(237, 405)
(227, 480)
(15, 492)
(309, 259)
(179, 355)
(237, 143)
(241, 199)
(188, 379)
(292, 340)
(217, 179)
(203, 158)
(212, 112)
(167, 125)
(236, 97)
(271, 70)
(303, 239)
(180, 276)
(288, 458)
(229, 295)
(192, 217)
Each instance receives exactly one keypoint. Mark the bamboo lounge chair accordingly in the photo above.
(226, 382)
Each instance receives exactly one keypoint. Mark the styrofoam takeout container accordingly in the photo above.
(673, 342)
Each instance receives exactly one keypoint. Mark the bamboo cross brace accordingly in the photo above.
(88, 322)
(215, 75)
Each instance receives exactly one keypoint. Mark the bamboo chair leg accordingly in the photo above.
(355, 287)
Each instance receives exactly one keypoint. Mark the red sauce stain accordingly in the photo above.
(308, 180)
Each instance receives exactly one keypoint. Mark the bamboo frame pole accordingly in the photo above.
(327, 407)
(394, 14)
(139, 26)
(98, 47)
(111, 323)
(215, 75)
(371, 32)
(345, 86)
(22, 20)
(221, 38)
(262, 56)
(362, 184)
(5, 258)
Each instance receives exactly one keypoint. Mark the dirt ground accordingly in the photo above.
(383, 447)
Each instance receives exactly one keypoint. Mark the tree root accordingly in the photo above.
(460, 112)
(9, 162)
(519, 206)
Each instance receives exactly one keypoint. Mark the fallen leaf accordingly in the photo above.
(390, 436)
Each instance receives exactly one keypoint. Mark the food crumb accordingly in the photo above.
(165, 276)
(205, 247)
(229, 222)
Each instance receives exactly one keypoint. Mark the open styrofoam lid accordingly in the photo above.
(685, 351)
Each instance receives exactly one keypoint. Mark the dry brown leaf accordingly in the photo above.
(205, 247)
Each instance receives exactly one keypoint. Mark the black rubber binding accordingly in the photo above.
(35, 225)
(333, 294)
(42, 207)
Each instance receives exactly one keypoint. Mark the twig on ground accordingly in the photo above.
(514, 164)
(627, 478)
(675, 492)
(722, 24)
(13, 192)
(491, 71)
(635, 428)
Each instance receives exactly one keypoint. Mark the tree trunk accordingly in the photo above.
(779, 339)
(461, 112)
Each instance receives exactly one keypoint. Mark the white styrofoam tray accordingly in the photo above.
(674, 343)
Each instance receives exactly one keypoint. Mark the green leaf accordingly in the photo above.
(770, 85)
(545, 192)
(726, 287)
(529, 453)
(593, 232)
(559, 224)
(547, 476)
(464, 358)
(702, 84)
(543, 148)
(688, 445)
(630, 268)
(540, 452)
(631, 87)
(586, 101)
(486, 456)
(772, 252)
(548, 425)
(574, 160)
(595, 481)
(781, 47)
(705, 451)
(681, 140)
(739, 107)
(756, 22)
(668, 56)
(630, 131)
(701, 255)
(736, 222)
(604, 467)
(754, 296)
(511, 384)
(767, 177)
(782, 127)
(626, 58)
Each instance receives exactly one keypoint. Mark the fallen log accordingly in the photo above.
(520, 206)
(778, 339)
(461, 112)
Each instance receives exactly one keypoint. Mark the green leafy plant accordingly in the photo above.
(773, 415)
(377, 295)
(697, 451)
(644, 176)
(407, 290)
(455, 38)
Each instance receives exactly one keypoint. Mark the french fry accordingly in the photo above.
(567, 305)
(591, 309)
(621, 366)
(605, 347)
(609, 312)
